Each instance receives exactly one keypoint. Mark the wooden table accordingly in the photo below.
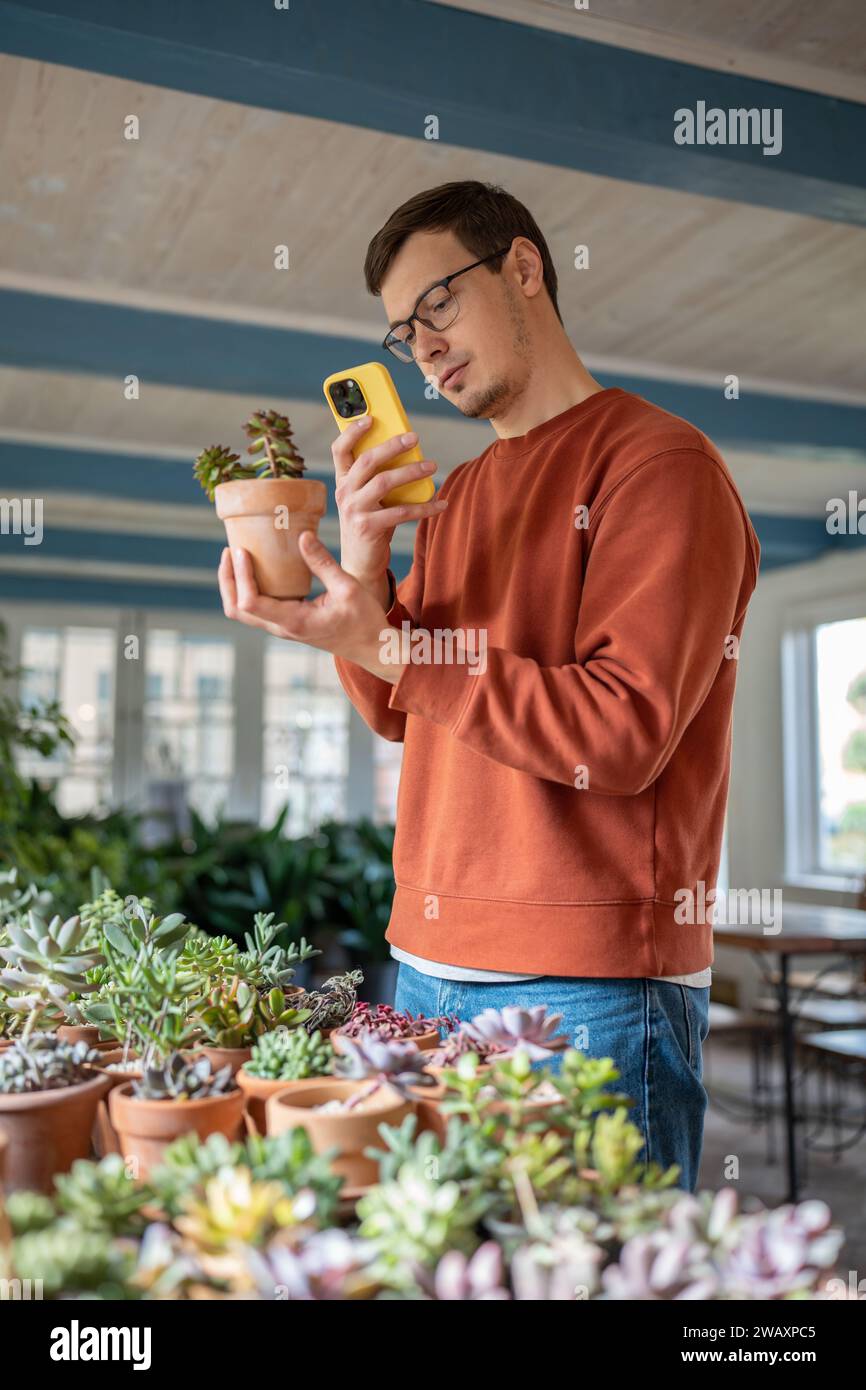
(807, 930)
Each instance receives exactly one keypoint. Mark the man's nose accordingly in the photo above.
(429, 344)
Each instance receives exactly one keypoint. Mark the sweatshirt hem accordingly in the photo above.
(602, 940)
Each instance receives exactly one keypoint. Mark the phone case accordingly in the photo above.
(389, 418)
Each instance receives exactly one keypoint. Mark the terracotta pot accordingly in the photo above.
(265, 516)
(257, 1091)
(424, 1042)
(145, 1128)
(115, 1078)
(349, 1132)
(220, 1057)
(84, 1032)
(47, 1130)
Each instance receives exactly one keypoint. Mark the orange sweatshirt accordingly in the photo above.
(565, 774)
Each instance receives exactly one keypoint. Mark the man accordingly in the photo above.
(565, 773)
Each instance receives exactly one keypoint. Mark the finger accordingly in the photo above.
(323, 565)
(388, 517)
(347, 440)
(382, 483)
(370, 461)
(227, 586)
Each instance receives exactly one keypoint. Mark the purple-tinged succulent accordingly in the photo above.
(662, 1265)
(329, 1264)
(777, 1253)
(460, 1044)
(514, 1029)
(368, 1057)
(388, 1023)
(561, 1267)
(465, 1279)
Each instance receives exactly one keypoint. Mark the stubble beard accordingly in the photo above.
(501, 393)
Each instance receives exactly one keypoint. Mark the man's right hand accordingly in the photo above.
(366, 527)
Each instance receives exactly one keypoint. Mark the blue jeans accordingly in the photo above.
(653, 1030)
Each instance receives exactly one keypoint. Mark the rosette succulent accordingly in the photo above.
(274, 454)
(400, 1064)
(46, 964)
(512, 1028)
(41, 1062)
(182, 1078)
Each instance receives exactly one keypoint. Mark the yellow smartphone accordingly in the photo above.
(369, 390)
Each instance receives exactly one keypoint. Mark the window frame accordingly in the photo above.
(800, 741)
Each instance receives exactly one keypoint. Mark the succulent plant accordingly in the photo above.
(286, 1158)
(415, 1219)
(274, 454)
(559, 1265)
(459, 1044)
(234, 1014)
(28, 1211)
(323, 1266)
(183, 1078)
(530, 1030)
(465, 1279)
(332, 1005)
(46, 963)
(103, 1196)
(70, 1261)
(15, 900)
(238, 1209)
(400, 1064)
(267, 964)
(290, 1055)
(388, 1023)
(42, 1062)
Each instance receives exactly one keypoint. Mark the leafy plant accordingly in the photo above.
(235, 1015)
(183, 1078)
(272, 447)
(415, 1220)
(70, 1260)
(290, 1055)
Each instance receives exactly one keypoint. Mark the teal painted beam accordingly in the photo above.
(494, 86)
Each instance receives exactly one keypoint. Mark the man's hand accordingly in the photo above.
(366, 527)
(345, 620)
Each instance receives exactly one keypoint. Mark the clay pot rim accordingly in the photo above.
(31, 1100)
(388, 1100)
(228, 497)
(122, 1095)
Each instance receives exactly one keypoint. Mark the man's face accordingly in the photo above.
(487, 343)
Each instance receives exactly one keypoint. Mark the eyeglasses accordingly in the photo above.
(437, 308)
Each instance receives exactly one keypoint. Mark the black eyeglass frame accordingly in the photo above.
(437, 285)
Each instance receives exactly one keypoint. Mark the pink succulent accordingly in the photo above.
(514, 1029)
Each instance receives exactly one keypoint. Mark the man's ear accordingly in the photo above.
(528, 266)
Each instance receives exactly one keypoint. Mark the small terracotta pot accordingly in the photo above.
(46, 1131)
(258, 1091)
(265, 516)
(220, 1057)
(424, 1042)
(84, 1032)
(349, 1132)
(145, 1128)
(115, 1078)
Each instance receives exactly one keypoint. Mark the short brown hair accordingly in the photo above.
(483, 216)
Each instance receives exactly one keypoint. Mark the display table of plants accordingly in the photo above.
(178, 1120)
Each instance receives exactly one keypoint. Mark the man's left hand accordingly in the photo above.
(345, 620)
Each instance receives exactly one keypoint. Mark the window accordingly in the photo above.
(305, 745)
(188, 721)
(840, 668)
(75, 666)
(824, 668)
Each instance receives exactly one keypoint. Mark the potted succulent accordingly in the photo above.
(175, 1095)
(332, 1005)
(279, 1061)
(248, 993)
(266, 502)
(372, 1085)
(393, 1025)
(48, 1089)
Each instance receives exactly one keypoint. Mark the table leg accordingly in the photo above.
(787, 1026)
